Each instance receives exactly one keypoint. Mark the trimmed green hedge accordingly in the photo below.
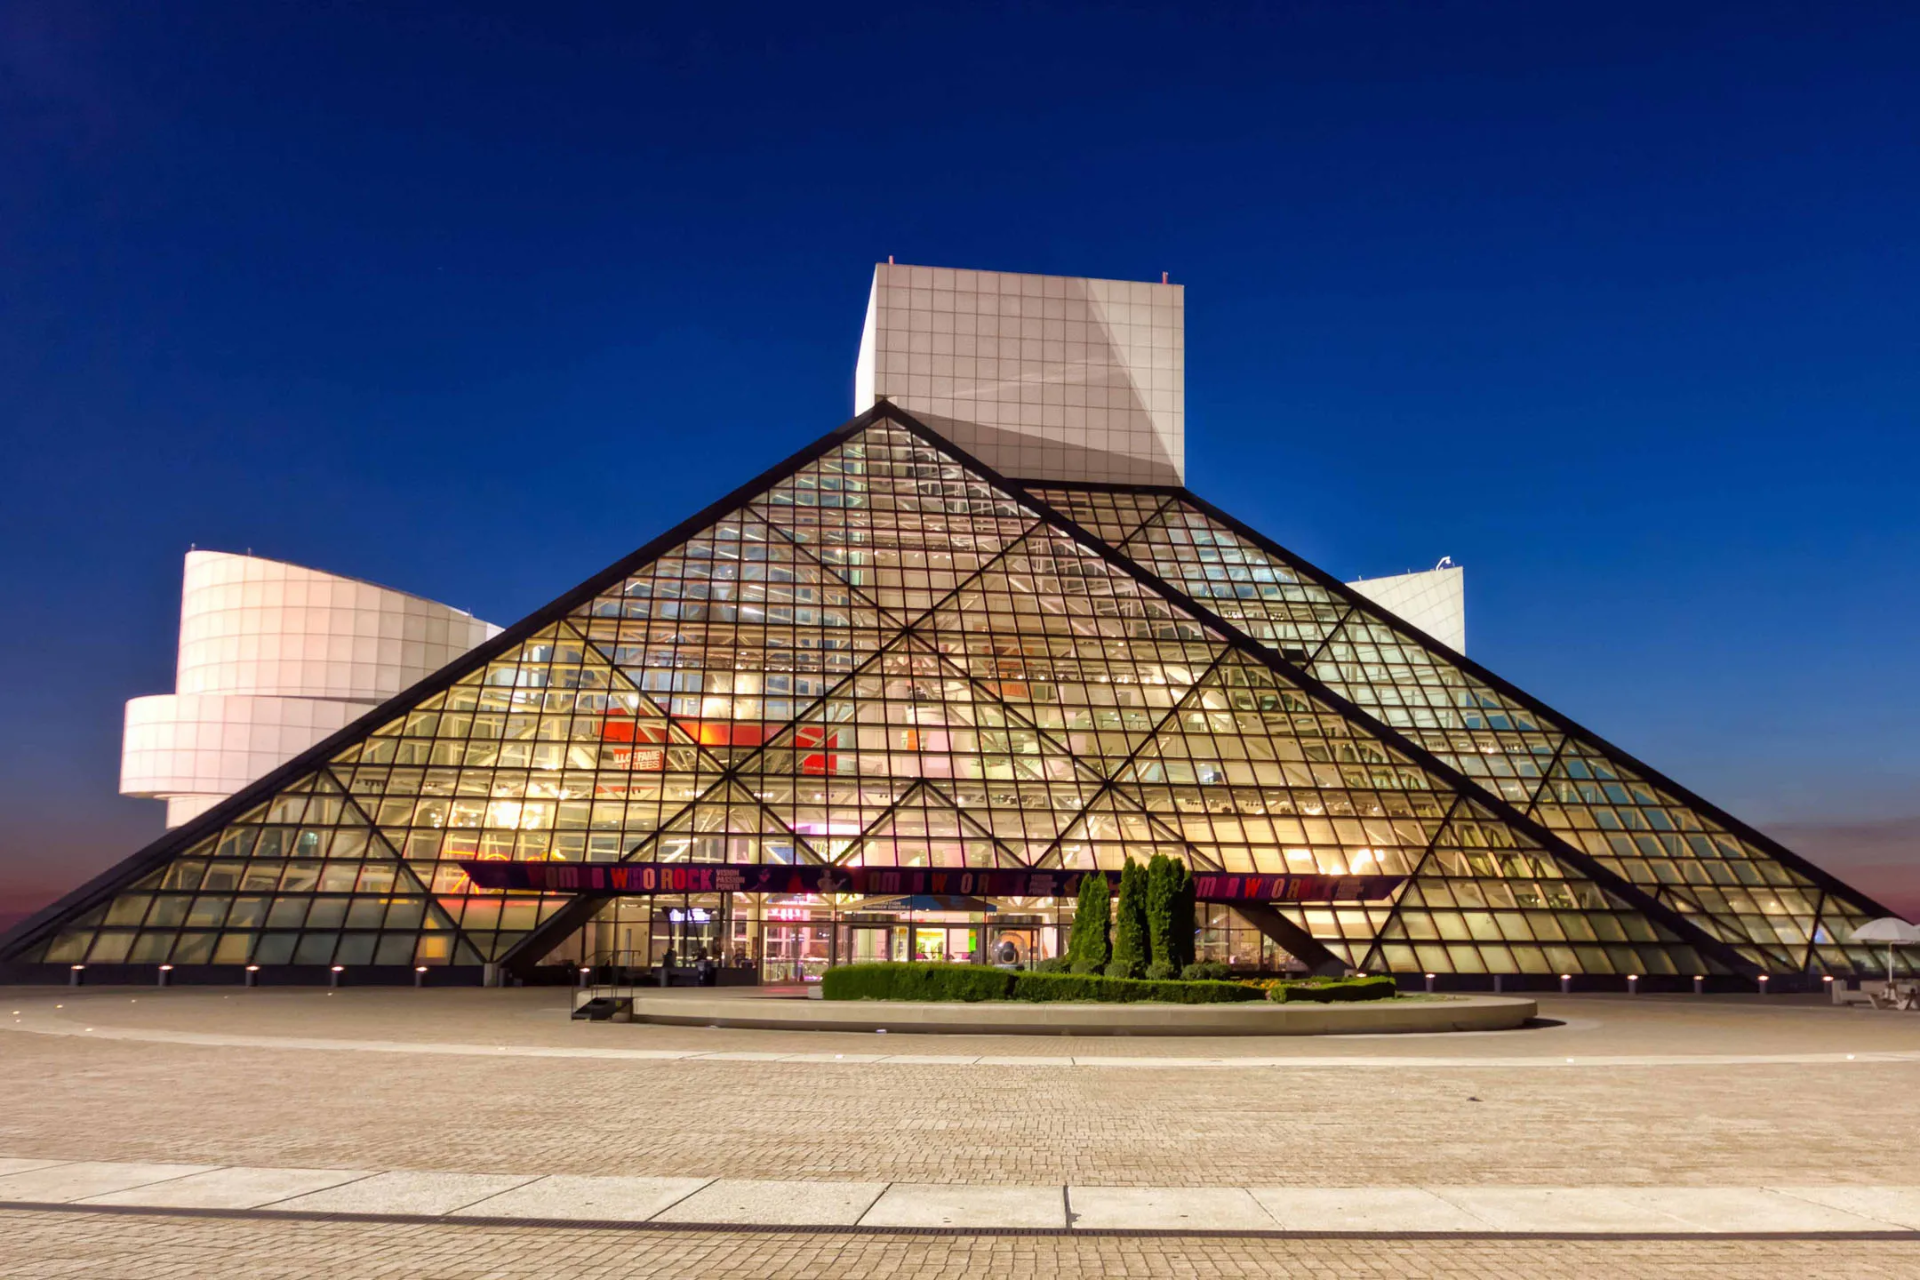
(1049, 987)
(969, 982)
(1333, 990)
(891, 981)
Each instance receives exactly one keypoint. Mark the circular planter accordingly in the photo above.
(1255, 1018)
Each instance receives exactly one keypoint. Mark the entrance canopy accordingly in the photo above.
(685, 877)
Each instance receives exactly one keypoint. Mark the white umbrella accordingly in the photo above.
(1891, 930)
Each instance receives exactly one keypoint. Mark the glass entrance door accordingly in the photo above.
(872, 944)
(797, 952)
(1025, 948)
(938, 943)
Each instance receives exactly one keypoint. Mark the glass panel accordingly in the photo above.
(883, 660)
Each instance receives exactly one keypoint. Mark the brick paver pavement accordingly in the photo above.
(46, 1246)
(1590, 1025)
(74, 1098)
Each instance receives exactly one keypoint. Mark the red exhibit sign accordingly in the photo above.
(639, 746)
(708, 877)
(642, 745)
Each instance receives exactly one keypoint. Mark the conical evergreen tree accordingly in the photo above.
(1163, 887)
(1184, 929)
(1130, 924)
(1087, 945)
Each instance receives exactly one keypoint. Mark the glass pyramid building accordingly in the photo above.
(885, 656)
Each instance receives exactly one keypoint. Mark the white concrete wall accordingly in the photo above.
(213, 744)
(1434, 600)
(273, 658)
(865, 364)
(250, 625)
(1041, 377)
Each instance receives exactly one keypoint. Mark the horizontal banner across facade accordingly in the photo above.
(694, 877)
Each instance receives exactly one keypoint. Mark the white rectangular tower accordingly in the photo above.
(1040, 377)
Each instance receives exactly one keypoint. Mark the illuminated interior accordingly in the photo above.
(886, 655)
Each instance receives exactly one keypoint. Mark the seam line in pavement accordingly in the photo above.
(461, 1208)
(760, 1228)
(345, 1182)
(688, 1196)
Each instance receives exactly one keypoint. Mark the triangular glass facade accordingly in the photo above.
(1771, 908)
(883, 655)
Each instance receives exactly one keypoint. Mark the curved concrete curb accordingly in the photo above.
(1254, 1018)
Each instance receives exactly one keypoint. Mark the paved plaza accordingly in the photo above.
(466, 1133)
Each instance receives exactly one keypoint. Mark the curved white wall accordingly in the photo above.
(1434, 600)
(273, 658)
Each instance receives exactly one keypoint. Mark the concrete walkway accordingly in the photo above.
(571, 1200)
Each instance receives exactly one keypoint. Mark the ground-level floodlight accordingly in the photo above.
(1566, 984)
(252, 977)
(1429, 984)
(160, 978)
(585, 973)
(1499, 983)
(1633, 984)
(1699, 984)
(420, 975)
(1763, 984)
(333, 978)
(75, 974)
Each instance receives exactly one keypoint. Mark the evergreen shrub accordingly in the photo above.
(1088, 949)
(1185, 927)
(1334, 990)
(917, 981)
(971, 982)
(1163, 887)
(1130, 924)
(1045, 987)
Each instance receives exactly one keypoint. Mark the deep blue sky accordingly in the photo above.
(1613, 303)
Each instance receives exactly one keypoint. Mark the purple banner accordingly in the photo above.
(706, 877)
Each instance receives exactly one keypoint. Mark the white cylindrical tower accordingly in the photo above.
(273, 658)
